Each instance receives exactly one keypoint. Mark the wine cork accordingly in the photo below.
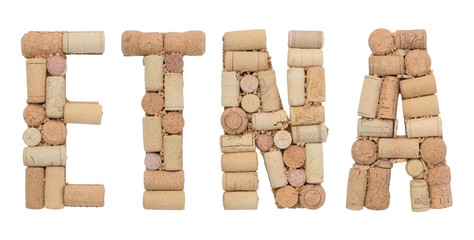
(415, 167)
(237, 143)
(269, 121)
(153, 72)
(54, 133)
(433, 150)
(398, 148)
(250, 103)
(174, 91)
(230, 89)
(312, 196)
(282, 139)
(315, 84)
(240, 200)
(152, 161)
(56, 66)
(309, 133)
(36, 80)
(269, 92)
(34, 115)
(388, 100)
(369, 97)
(410, 39)
(153, 103)
(439, 179)
(83, 42)
(375, 128)
(174, 63)
(173, 152)
(386, 65)
(240, 181)
(34, 187)
(249, 83)
(305, 39)
(275, 169)
(307, 115)
(295, 80)
(239, 162)
(135, 43)
(191, 43)
(163, 180)
(424, 127)
(419, 194)
(286, 197)
(84, 195)
(378, 194)
(296, 178)
(173, 122)
(44, 156)
(264, 142)
(356, 189)
(55, 180)
(246, 61)
(34, 44)
(364, 152)
(381, 41)
(32, 137)
(417, 62)
(245, 40)
(298, 57)
(152, 138)
(294, 156)
(383, 163)
(417, 87)
(83, 113)
(420, 107)
(163, 200)
(234, 120)
(314, 163)
(55, 96)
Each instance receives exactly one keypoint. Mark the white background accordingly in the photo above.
(112, 154)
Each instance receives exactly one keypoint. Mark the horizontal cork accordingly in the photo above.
(246, 61)
(417, 87)
(239, 162)
(84, 42)
(240, 181)
(386, 65)
(83, 113)
(245, 40)
(424, 127)
(375, 127)
(163, 200)
(84, 195)
(191, 43)
(298, 57)
(136, 43)
(245, 200)
(399, 148)
(305, 39)
(420, 107)
(34, 44)
(43, 156)
(269, 121)
(237, 143)
(307, 115)
(309, 133)
(163, 180)
(410, 39)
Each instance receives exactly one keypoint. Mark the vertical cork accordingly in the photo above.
(439, 179)
(152, 138)
(173, 152)
(270, 97)
(314, 163)
(356, 189)
(36, 80)
(55, 96)
(420, 199)
(388, 100)
(34, 187)
(295, 80)
(174, 99)
(369, 97)
(54, 187)
(378, 194)
(153, 72)
(230, 89)
(315, 84)
(275, 169)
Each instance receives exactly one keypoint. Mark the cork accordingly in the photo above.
(34, 44)
(398, 148)
(296, 178)
(246, 61)
(32, 137)
(230, 89)
(153, 72)
(388, 100)
(240, 181)
(152, 138)
(191, 43)
(439, 179)
(245, 40)
(315, 84)
(36, 80)
(55, 96)
(356, 189)
(383, 163)
(375, 127)
(309, 133)
(163, 200)
(249, 83)
(84, 195)
(240, 200)
(163, 180)
(239, 162)
(314, 163)
(234, 120)
(174, 63)
(135, 43)
(381, 41)
(369, 96)
(55, 181)
(294, 156)
(34, 187)
(378, 194)
(433, 150)
(173, 152)
(312, 196)
(237, 143)
(270, 97)
(295, 80)
(34, 115)
(286, 197)
(282, 139)
(173, 122)
(43, 156)
(54, 132)
(305, 39)
(424, 127)
(364, 152)
(152, 161)
(410, 39)
(420, 196)
(298, 57)
(56, 66)
(275, 169)
(386, 65)
(174, 100)
(83, 42)
(269, 121)
(417, 62)
(264, 142)
(417, 87)
(250, 103)
(83, 113)
(420, 107)
(307, 115)
(415, 167)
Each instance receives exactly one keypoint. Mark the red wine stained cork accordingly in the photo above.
(191, 43)
(381, 41)
(163, 180)
(34, 187)
(307, 115)
(264, 142)
(305, 39)
(173, 152)
(294, 156)
(174, 63)
(83, 113)
(239, 162)
(282, 139)
(315, 84)
(54, 132)
(417, 62)
(356, 189)
(237, 143)
(378, 194)
(55, 96)
(433, 151)
(369, 96)
(388, 101)
(296, 178)
(367, 127)
(298, 57)
(173, 122)
(163, 200)
(414, 167)
(135, 43)
(364, 152)
(439, 179)
(410, 39)
(152, 161)
(417, 87)
(245, 40)
(269, 90)
(420, 107)
(55, 181)
(152, 136)
(32, 137)
(34, 115)
(34, 44)
(419, 194)
(424, 127)
(312, 196)
(246, 61)
(56, 66)
(153, 103)
(249, 83)
(234, 120)
(386, 65)
(84, 195)
(398, 148)
(36, 80)
(240, 200)
(240, 181)
(286, 197)
(275, 169)
(250, 103)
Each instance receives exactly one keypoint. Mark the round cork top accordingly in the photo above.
(153, 103)
(54, 132)
(282, 139)
(439, 175)
(418, 62)
(364, 152)
(286, 197)
(234, 120)
(249, 83)
(34, 115)
(433, 150)
(152, 161)
(381, 41)
(250, 103)
(56, 66)
(264, 142)
(414, 167)
(294, 156)
(32, 137)
(296, 178)
(312, 196)
(174, 63)
(173, 122)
